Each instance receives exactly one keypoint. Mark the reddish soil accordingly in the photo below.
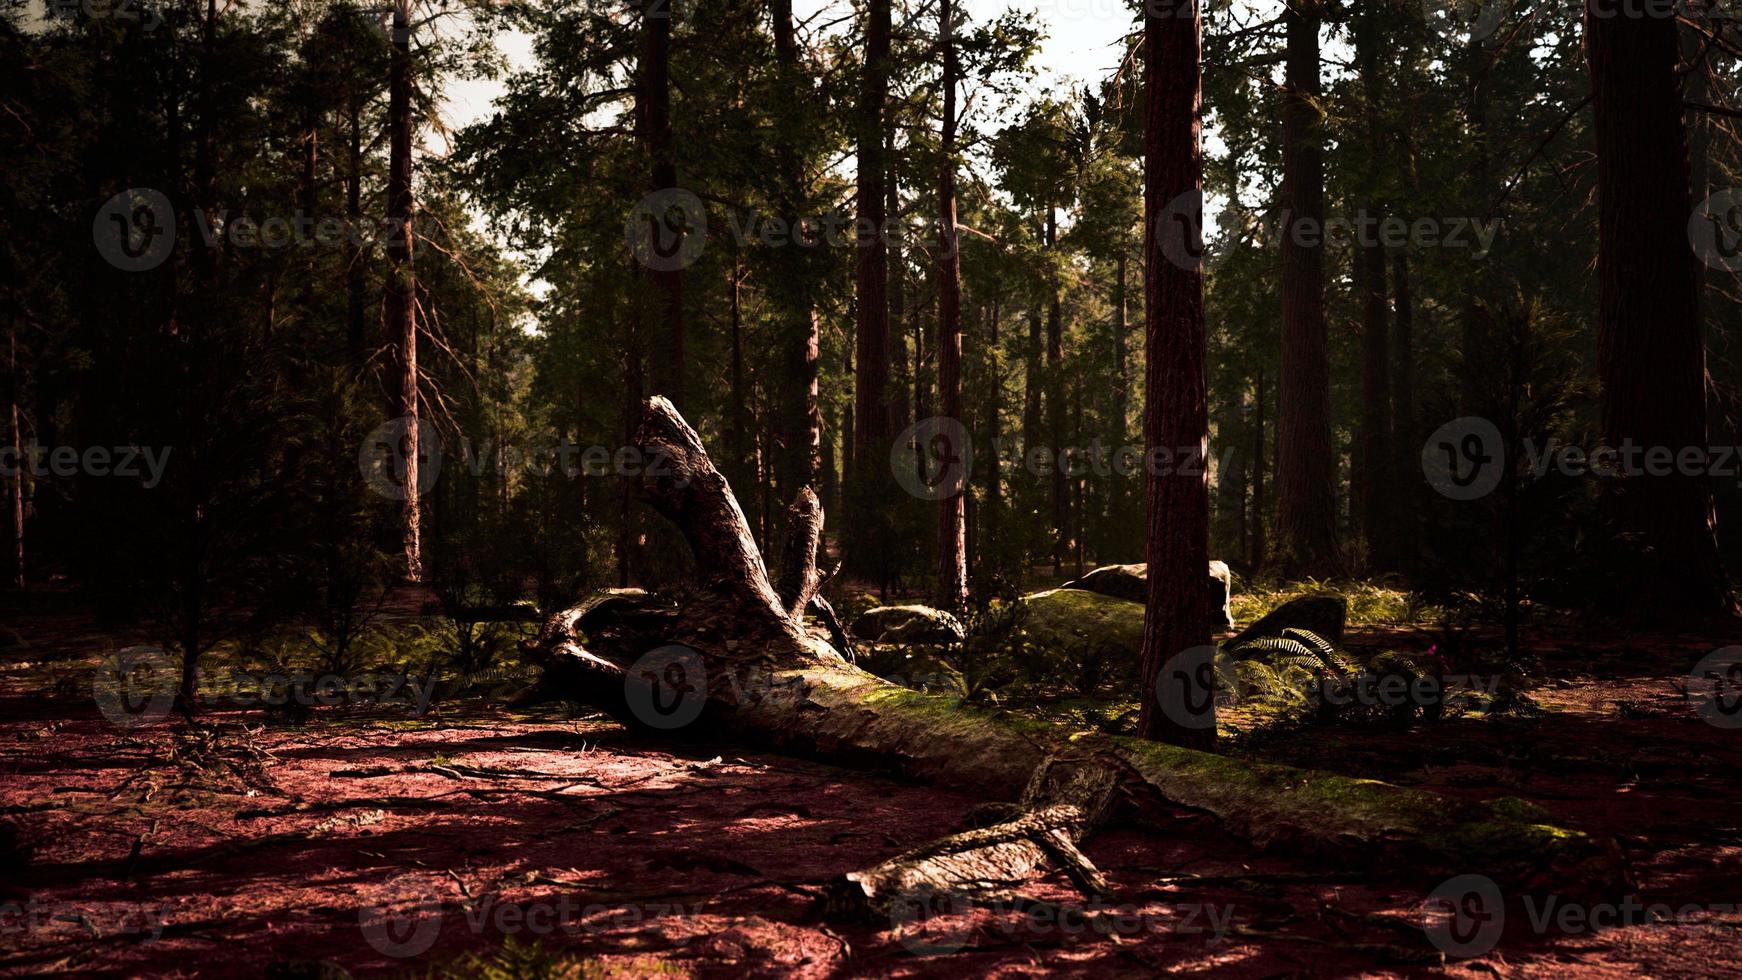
(262, 848)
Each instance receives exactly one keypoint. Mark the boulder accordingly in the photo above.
(908, 624)
(1131, 582)
(1080, 639)
(1321, 615)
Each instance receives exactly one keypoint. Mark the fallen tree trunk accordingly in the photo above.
(730, 658)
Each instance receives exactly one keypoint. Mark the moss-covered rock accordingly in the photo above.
(1131, 583)
(908, 624)
(1082, 640)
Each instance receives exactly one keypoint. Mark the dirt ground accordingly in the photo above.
(371, 841)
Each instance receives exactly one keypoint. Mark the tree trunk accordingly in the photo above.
(800, 464)
(1375, 431)
(738, 404)
(1306, 481)
(991, 550)
(1260, 542)
(1651, 359)
(1404, 441)
(1055, 409)
(733, 663)
(866, 549)
(1374, 436)
(653, 106)
(15, 440)
(952, 524)
(1176, 626)
(402, 285)
(354, 302)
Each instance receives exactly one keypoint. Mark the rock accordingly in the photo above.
(1085, 641)
(908, 624)
(1128, 582)
(1083, 621)
(1131, 583)
(1321, 615)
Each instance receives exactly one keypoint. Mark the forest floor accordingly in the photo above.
(371, 841)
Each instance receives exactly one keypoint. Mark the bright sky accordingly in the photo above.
(1082, 45)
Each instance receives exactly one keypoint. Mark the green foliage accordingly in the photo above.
(1370, 603)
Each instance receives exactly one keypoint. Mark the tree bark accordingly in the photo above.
(866, 551)
(1404, 441)
(747, 670)
(952, 524)
(401, 300)
(354, 302)
(1175, 414)
(1306, 481)
(653, 106)
(1375, 496)
(1260, 542)
(1651, 359)
(801, 463)
(1055, 408)
(15, 440)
